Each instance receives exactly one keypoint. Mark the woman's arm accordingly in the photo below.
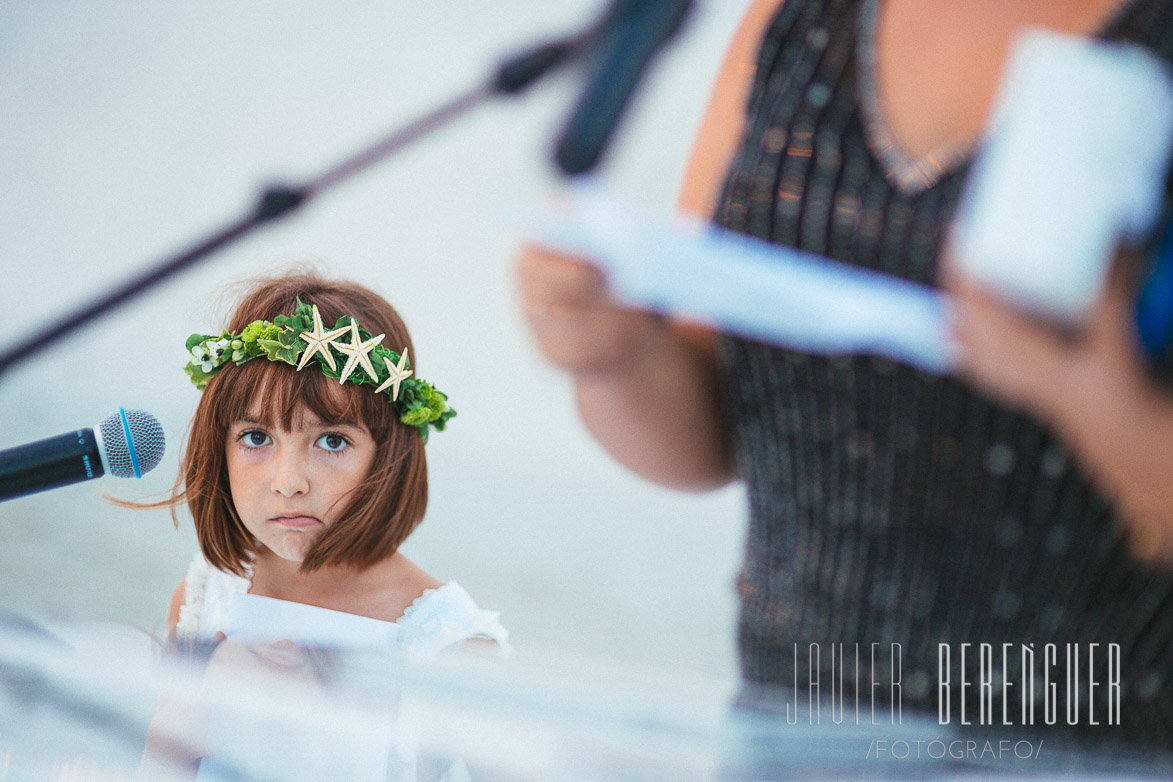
(647, 389)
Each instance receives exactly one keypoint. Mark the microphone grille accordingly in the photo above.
(145, 448)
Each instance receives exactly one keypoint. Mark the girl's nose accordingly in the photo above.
(289, 474)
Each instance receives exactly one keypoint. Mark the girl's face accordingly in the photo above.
(288, 486)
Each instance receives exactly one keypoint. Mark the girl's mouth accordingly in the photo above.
(296, 521)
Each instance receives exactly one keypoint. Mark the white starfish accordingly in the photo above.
(397, 374)
(358, 353)
(319, 341)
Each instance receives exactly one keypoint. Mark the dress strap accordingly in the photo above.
(444, 616)
(207, 599)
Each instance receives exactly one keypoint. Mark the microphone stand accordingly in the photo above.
(511, 77)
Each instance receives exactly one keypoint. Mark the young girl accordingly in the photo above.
(305, 468)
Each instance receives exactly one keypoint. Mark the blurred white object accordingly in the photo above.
(260, 619)
(219, 602)
(746, 286)
(74, 706)
(437, 620)
(1074, 161)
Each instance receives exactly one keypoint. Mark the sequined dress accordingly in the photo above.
(887, 505)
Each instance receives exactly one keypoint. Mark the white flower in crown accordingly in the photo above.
(208, 356)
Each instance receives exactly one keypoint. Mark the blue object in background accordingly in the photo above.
(1154, 306)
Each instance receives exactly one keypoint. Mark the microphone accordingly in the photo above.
(630, 35)
(125, 444)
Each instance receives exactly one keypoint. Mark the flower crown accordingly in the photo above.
(418, 403)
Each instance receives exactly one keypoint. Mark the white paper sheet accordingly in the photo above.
(1074, 161)
(266, 620)
(746, 286)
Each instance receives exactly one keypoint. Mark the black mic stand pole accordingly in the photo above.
(512, 77)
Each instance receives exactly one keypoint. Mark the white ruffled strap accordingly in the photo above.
(207, 599)
(194, 588)
(445, 616)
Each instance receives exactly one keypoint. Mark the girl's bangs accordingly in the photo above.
(277, 396)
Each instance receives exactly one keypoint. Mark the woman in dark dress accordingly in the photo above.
(889, 506)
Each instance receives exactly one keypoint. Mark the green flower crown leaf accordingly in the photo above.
(196, 339)
(286, 347)
(199, 378)
(418, 402)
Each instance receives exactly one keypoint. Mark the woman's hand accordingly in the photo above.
(1090, 386)
(1033, 365)
(574, 320)
(648, 390)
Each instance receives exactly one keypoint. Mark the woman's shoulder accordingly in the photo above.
(721, 125)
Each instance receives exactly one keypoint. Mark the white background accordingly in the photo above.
(128, 129)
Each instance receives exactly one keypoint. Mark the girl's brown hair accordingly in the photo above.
(382, 510)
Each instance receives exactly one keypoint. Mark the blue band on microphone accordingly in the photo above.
(130, 443)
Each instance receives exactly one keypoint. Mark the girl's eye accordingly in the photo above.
(332, 441)
(254, 438)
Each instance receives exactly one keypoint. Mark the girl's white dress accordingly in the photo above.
(437, 619)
